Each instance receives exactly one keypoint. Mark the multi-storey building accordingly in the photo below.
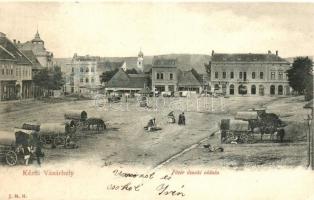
(164, 75)
(84, 77)
(15, 71)
(83, 74)
(167, 77)
(249, 74)
(37, 46)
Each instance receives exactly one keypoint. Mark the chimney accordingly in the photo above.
(269, 52)
(276, 52)
(14, 41)
(213, 52)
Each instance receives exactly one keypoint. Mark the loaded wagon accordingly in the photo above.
(12, 144)
(53, 133)
(235, 131)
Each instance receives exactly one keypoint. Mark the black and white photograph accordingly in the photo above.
(156, 100)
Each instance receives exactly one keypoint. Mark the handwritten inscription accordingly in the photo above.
(127, 187)
(164, 189)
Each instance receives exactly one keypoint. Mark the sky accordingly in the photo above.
(122, 29)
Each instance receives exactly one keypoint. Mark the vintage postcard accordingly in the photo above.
(156, 100)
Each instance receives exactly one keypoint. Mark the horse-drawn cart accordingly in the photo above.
(235, 131)
(12, 146)
(53, 133)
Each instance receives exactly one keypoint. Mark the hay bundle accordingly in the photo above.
(52, 128)
(248, 115)
(76, 115)
(29, 126)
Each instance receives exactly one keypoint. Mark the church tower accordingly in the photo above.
(140, 59)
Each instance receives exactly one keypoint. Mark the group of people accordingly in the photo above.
(151, 125)
(29, 148)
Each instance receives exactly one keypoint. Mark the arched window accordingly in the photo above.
(216, 87)
(231, 89)
(242, 89)
(272, 90)
(253, 89)
(261, 90)
(280, 90)
(87, 69)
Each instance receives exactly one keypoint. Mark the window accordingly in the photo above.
(261, 90)
(280, 75)
(231, 92)
(92, 80)
(216, 74)
(157, 76)
(240, 75)
(87, 69)
(216, 87)
(161, 75)
(81, 80)
(272, 90)
(261, 75)
(244, 76)
(81, 69)
(272, 75)
(2, 71)
(280, 90)
(73, 69)
(231, 75)
(11, 71)
(171, 76)
(86, 80)
(93, 69)
(253, 75)
(224, 74)
(253, 89)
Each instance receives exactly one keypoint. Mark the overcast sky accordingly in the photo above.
(116, 29)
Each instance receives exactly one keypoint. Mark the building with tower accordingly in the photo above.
(37, 46)
(140, 61)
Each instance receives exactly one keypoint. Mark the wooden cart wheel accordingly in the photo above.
(59, 141)
(244, 138)
(11, 158)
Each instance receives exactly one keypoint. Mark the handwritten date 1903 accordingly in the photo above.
(163, 189)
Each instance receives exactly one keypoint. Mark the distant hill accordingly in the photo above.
(184, 61)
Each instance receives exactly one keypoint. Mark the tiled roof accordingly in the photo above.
(189, 78)
(30, 55)
(164, 62)
(9, 51)
(122, 80)
(249, 57)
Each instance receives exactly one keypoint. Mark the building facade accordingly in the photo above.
(249, 74)
(84, 77)
(164, 75)
(15, 72)
(37, 46)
